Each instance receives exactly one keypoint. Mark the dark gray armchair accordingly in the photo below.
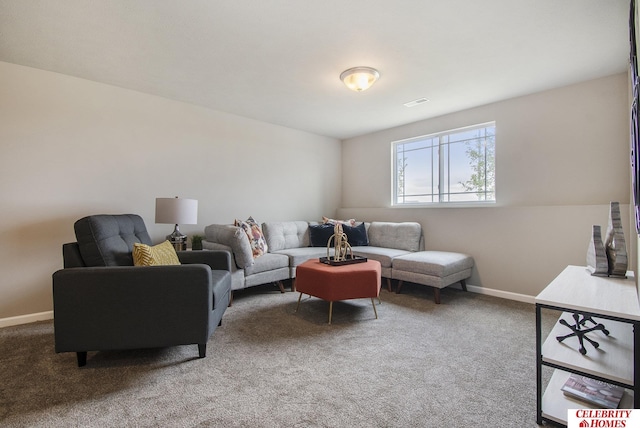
(102, 302)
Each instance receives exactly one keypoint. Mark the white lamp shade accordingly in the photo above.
(176, 211)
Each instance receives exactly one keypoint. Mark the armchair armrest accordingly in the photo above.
(215, 259)
(122, 307)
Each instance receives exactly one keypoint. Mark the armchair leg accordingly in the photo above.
(280, 286)
(202, 350)
(463, 283)
(82, 358)
(230, 298)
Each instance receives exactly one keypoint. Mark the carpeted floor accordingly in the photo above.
(468, 362)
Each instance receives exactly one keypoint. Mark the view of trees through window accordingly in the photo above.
(451, 166)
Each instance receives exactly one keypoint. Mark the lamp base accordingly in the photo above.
(179, 245)
(178, 240)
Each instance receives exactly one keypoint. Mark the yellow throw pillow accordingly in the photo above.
(161, 254)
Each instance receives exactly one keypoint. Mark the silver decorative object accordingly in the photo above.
(615, 244)
(597, 262)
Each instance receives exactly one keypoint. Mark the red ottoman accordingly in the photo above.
(332, 283)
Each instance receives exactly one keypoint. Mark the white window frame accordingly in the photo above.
(443, 196)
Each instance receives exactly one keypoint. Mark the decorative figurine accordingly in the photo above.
(615, 243)
(597, 262)
(341, 245)
(579, 329)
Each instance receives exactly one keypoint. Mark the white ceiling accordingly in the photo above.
(278, 61)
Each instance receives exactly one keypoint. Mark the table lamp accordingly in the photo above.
(177, 211)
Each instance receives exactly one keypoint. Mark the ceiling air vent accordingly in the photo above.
(416, 102)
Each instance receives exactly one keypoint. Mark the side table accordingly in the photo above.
(613, 301)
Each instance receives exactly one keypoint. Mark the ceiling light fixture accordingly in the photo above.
(359, 78)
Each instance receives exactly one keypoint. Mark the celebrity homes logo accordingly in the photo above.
(597, 418)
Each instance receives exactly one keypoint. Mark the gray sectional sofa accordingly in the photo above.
(290, 244)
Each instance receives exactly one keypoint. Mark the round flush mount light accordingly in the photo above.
(359, 78)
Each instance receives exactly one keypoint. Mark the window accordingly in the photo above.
(451, 166)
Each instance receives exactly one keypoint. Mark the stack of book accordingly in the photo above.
(593, 392)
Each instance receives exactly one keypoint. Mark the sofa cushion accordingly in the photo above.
(435, 263)
(319, 234)
(107, 240)
(254, 234)
(298, 256)
(157, 255)
(234, 238)
(286, 234)
(267, 262)
(356, 235)
(384, 255)
(401, 236)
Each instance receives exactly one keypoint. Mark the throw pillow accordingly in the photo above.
(161, 254)
(350, 222)
(357, 235)
(319, 234)
(256, 238)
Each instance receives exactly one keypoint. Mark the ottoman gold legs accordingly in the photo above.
(298, 305)
(330, 310)
(375, 311)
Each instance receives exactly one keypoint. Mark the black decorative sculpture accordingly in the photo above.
(579, 330)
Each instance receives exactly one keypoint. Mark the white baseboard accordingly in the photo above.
(26, 319)
(502, 294)
(43, 316)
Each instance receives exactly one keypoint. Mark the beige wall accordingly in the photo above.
(561, 157)
(72, 147)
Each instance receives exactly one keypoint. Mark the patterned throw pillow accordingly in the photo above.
(254, 233)
(351, 222)
(161, 254)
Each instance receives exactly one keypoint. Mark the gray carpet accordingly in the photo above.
(468, 362)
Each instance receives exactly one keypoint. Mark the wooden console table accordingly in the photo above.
(614, 302)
